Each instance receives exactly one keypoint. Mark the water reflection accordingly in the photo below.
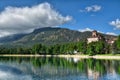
(42, 68)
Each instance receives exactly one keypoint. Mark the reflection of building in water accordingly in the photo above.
(111, 68)
(94, 75)
(74, 59)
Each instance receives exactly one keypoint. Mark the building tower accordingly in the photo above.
(94, 33)
(94, 37)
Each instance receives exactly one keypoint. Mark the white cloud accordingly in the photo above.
(111, 33)
(93, 8)
(115, 23)
(86, 29)
(3, 33)
(21, 20)
(100, 32)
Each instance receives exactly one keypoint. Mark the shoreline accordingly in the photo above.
(66, 56)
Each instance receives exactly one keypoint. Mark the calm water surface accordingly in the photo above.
(42, 68)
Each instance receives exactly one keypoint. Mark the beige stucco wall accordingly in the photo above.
(92, 39)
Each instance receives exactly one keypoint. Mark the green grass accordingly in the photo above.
(108, 55)
(100, 54)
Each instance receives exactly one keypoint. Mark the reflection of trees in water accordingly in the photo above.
(91, 67)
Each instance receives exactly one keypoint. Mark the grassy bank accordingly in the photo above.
(105, 56)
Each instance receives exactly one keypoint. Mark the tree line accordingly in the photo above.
(93, 48)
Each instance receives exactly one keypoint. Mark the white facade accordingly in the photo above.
(95, 39)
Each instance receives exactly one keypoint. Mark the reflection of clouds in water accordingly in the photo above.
(11, 76)
(3, 74)
(110, 76)
(11, 73)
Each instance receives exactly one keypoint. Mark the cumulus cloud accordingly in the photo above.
(86, 29)
(115, 23)
(111, 33)
(93, 8)
(25, 19)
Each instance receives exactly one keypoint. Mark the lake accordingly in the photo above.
(44, 68)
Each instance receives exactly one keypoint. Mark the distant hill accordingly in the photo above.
(48, 36)
(53, 36)
(11, 38)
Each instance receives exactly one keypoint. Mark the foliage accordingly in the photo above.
(93, 48)
(118, 43)
(48, 36)
(96, 48)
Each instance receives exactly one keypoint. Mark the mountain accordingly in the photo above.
(48, 36)
(11, 38)
(53, 36)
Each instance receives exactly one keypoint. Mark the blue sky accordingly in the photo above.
(82, 15)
